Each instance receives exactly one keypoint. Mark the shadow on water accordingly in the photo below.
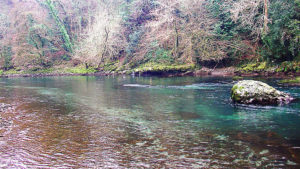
(142, 122)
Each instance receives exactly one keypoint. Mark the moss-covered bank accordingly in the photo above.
(258, 67)
(291, 81)
(287, 70)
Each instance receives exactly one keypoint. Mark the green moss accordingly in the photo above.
(262, 66)
(77, 70)
(234, 95)
(289, 67)
(154, 67)
(234, 88)
(279, 69)
(80, 70)
(11, 71)
(39, 71)
(32, 71)
(257, 67)
(111, 66)
(119, 69)
(287, 81)
(237, 78)
(64, 33)
(249, 67)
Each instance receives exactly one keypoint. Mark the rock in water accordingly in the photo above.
(255, 92)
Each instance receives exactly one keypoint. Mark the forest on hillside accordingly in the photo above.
(38, 34)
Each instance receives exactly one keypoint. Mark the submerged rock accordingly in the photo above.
(255, 92)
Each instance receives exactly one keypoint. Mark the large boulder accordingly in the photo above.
(255, 92)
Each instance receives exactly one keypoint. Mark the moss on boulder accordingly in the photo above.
(256, 92)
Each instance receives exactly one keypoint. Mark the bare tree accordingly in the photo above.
(248, 14)
(102, 38)
(185, 28)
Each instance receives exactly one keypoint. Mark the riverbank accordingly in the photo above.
(229, 71)
(290, 76)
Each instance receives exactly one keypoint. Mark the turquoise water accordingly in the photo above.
(136, 122)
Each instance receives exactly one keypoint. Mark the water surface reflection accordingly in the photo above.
(142, 122)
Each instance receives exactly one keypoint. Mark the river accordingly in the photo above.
(142, 122)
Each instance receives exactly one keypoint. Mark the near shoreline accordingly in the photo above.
(226, 72)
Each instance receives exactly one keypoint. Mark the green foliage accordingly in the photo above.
(289, 67)
(38, 36)
(208, 34)
(254, 67)
(225, 27)
(159, 55)
(66, 57)
(110, 66)
(282, 42)
(54, 13)
(125, 11)
(163, 56)
(4, 24)
(35, 37)
(226, 31)
(134, 39)
(135, 14)
(286, 66)
(262, 66)
(6, 55)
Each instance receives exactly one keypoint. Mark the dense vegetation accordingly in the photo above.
(127, 34)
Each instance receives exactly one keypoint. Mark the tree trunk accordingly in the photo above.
(265, 16)
(105, 46)
(176, 40)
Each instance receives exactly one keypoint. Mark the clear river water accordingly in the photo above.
(142, 122)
